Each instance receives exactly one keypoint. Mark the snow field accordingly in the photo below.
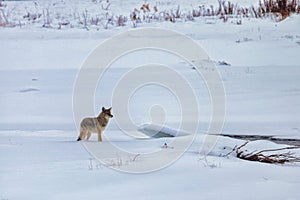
(38, 153)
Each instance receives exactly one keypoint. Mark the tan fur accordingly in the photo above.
(97, 125)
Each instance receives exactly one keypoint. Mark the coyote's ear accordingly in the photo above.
(103, 109)
(110, 108)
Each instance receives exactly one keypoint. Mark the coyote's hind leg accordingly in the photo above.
(89, 133)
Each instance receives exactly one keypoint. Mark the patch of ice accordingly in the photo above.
(28, 90)
(157, 131)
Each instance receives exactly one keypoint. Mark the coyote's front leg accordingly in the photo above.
(99, 135)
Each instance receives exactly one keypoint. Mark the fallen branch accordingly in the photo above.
(260, 156)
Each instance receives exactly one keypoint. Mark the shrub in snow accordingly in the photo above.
(5, 13)
(281, 8)
(47, 18)
(121, 20)
(52, 15)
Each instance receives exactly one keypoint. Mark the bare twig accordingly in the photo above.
(279, 149)
(135, 157)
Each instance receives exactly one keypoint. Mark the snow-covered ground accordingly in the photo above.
(38, 153)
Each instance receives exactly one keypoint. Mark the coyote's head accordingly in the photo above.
(107, 112)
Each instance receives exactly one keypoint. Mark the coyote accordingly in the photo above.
(95, 125)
